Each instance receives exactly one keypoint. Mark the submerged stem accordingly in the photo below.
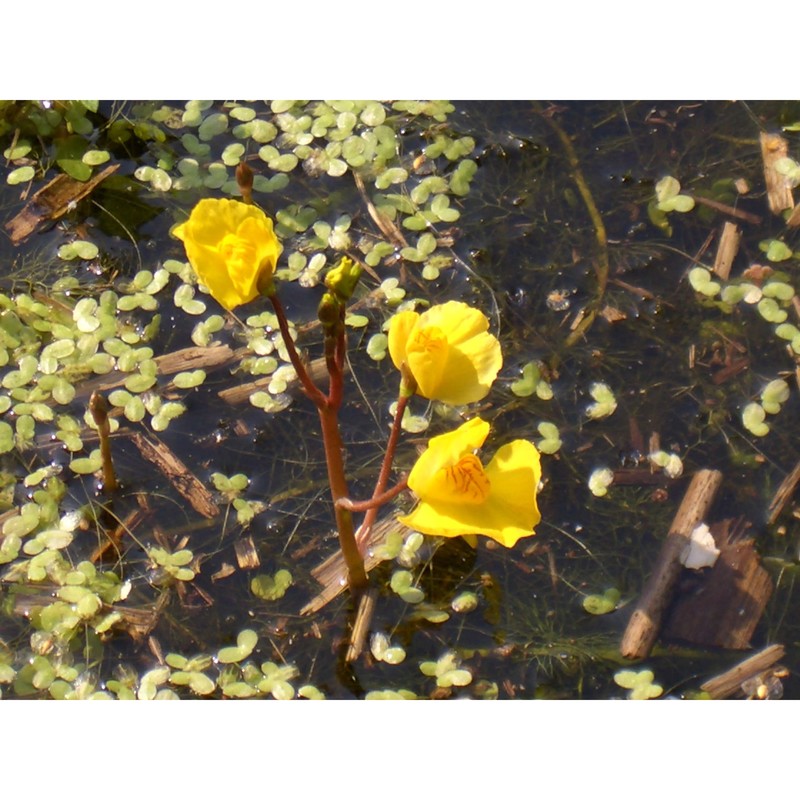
(601, 267)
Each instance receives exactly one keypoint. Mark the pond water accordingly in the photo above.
(625, 357)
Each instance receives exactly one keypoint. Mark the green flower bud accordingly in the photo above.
(343, 278)
(329, 311)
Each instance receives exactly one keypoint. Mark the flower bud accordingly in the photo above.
(342, 279)
(329, 311)
(244, 177)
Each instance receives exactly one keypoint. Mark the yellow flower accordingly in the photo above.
(458, 496)
(231, 247)
(447, 350)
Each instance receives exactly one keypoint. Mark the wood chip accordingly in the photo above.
(773, 148)
(783, 494)
(53, 201)
(189, 358)
(721, 606)
(241, 394)
(111, 545)
(178, 474)
(794, 218)
(246, 553)
(731, 211)
(727, 250)
(385, 225)
(611, 314)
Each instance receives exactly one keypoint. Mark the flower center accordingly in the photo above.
(239, 255)
(463, 482)
(429, 340)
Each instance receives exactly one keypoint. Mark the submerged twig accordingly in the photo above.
(601, 265)
(730, 682)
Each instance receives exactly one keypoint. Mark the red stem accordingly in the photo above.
(313, 392)
(328, 410)
(386, 468)
(357, 506)
(329, 422)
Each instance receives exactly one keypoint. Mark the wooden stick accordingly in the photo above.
(366, 608)
(783, 494)
(52, 201)
(727, 249)
(773, 148)
(730, 682)
(179, 475)
(745, 216)
(643, 627)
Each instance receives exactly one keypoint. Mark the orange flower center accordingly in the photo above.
(463, 482)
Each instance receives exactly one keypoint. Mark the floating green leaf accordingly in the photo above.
(189, 380)
(700, 280)
(600, 480)
(753, 419)
(602, 603)
(775, 393)
(271, 588)
(640, 684)
(20, 175)
(245, 644)
(777, 251)
(605, 403)
(668, 197)
(401, 583)
(551, 439)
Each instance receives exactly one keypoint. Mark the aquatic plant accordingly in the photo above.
(445, 354)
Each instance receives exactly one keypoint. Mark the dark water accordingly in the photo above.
(525, 250)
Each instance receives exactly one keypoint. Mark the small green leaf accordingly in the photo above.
(700, 280)
(771, 311)
(600, 480)
(95, 157)
(753, 419)
(602, 603)
(20, 175)
(271, 588)
(774, 395)
(778, 251)
(245, 644)
(605, 404)
(189, 380)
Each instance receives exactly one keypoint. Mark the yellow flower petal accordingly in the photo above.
(232, 248)
(400, 328)
(461, 321)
